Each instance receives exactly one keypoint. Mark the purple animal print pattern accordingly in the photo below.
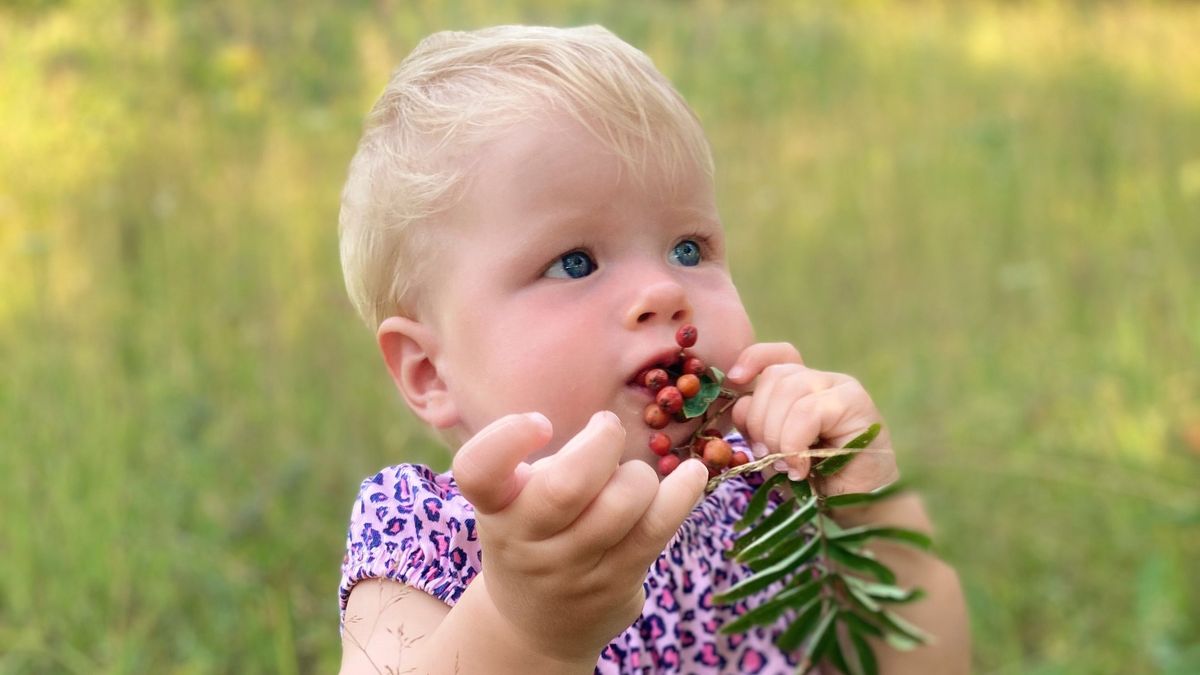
(412, 525)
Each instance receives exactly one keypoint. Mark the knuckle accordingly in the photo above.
(776, 370)
(642, 478)
(560, 493)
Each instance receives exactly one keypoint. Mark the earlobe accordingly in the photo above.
(410, 349)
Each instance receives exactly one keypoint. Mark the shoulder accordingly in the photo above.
(411, 524)
(404, 488)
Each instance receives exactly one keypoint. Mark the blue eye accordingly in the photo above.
(687, 252)
(574, 265)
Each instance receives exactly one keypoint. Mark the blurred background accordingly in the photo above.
(989, 213)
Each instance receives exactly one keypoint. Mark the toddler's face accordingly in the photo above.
(565, 277)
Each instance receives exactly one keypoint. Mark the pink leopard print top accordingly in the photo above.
(412, 525)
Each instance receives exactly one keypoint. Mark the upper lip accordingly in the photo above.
(660, 359)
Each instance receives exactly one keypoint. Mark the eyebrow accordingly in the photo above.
(575, 225)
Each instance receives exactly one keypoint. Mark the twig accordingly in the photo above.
(760, 464)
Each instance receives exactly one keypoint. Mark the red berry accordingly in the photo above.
(656, 379)
(688, 385)
(668, 464)
(686, 335)
(739, 458)
(670, 400)
(694, 366)
(717, 454)
(655, 417)
(702, 438)
(660, 443)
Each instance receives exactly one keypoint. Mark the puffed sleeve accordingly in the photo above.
(411, 525)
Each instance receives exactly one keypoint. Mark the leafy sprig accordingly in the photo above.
(834, 592)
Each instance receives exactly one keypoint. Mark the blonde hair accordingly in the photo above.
(452, 92)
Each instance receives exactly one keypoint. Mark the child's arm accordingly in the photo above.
(566, 545)
(791, 408)
(941, 613)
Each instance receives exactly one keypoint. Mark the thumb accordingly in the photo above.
(489, 469)
(757, 357)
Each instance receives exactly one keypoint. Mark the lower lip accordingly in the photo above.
(641, 390)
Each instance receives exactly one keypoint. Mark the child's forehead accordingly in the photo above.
(572, 159)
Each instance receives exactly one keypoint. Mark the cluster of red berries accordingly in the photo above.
(673, 384)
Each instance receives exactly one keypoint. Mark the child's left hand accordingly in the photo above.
(793, 408)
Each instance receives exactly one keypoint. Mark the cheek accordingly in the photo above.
(731, 325)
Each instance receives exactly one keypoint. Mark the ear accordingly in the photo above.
(410, 348)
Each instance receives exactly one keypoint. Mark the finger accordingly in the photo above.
(840, 414)
(554, 497)
(756, 413)
(677, 495)
(788, 390)
(488, 468)
(617, 509)
(755, 358)
(801, 430)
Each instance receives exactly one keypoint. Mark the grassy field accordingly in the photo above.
(988, 213)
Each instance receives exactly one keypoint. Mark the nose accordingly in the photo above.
(661, 300)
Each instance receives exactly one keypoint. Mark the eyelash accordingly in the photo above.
(702, 240)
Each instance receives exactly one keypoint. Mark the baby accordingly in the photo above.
(529, 219)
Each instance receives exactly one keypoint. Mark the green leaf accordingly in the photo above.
(696, 405)
(861, 624)
(822, 634)
(864, 439)
(904, 628)
(839, 661)
(900, 642)
(866, 656)
(754, 534)
(765, 577)
(801, 490)
(861, 561)
(791, 638)
(864, 532)
(758, 502)
(770, 611)
(831, 465)
(716, 374)
(780, 532)
(863, 598)
(864, 497)
(785, 549)
(883, 592)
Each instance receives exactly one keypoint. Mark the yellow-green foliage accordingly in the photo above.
(989, 213)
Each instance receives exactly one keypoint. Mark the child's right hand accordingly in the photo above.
(568, 539)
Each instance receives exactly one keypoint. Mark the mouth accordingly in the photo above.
(664, 359)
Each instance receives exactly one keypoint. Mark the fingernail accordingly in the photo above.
(736, 372)
(539, 419)
(609, 417)
(759, 450)
(794, 474)
(780, 465)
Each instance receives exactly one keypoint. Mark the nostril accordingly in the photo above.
(645, 316)
(679, 316)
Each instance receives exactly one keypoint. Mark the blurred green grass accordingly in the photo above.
(988, 213)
